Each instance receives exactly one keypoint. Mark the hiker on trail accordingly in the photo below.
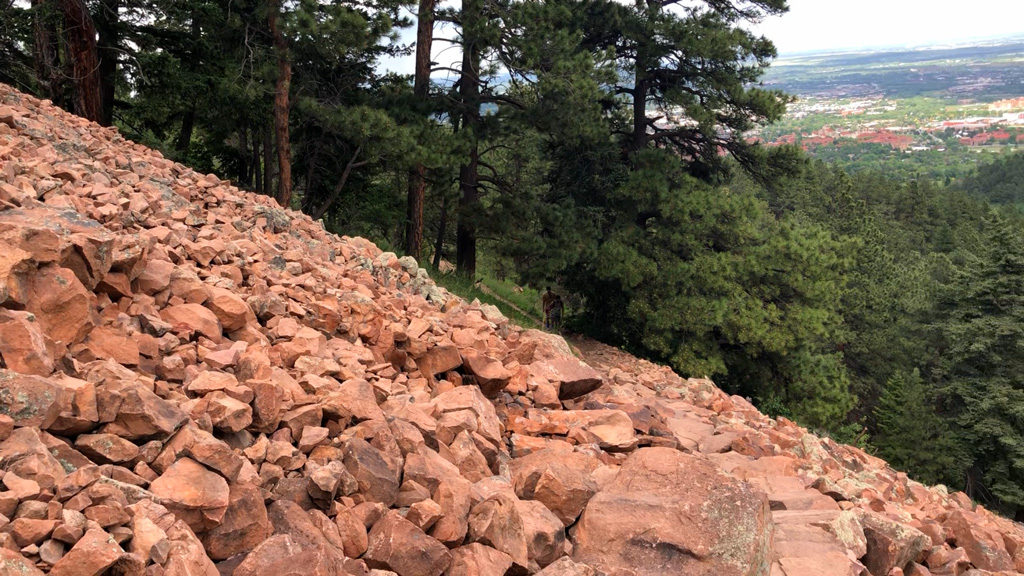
(555, 313)
(545, 301)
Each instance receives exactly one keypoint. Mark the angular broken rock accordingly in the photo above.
(479, 560)
(14, 563)
(90, 556)
(669, 512)
(438, 360)
(229, 308)
(141, 414)
(559, 480)
(193, 493)
(243, 526)
(378, 481)
(284, 555)
(106, 448)
(193, 318)
(398, 545)
(545, 533)
(890, 544)
(24, 348)
(31, 400)
(491, 376)
(984, 545)
(564, 566)
(496, 522)
(61, 304)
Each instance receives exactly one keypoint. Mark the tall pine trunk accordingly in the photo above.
(108, 25)
(188, 119)
(441, 224)
(268, 161)
(469, 92)
(284, 81)
(85, 69)
(421, 88)
(46, 49)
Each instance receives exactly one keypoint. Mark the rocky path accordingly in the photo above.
(195, 382)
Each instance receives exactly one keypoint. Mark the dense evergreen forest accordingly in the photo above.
(599, 147)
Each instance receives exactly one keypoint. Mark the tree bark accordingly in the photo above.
(45, 51)
(469, 92)
(188, 120)
(638, 138)
(319, 212)
(85, 66)
(421, 88)
(284, 80)
(268, 161)
(442, 221)
(108, 25)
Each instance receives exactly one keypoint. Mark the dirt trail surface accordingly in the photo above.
(195, 382)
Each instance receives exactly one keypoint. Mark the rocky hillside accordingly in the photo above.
(196, 382)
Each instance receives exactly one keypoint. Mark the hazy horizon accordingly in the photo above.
(809, 27)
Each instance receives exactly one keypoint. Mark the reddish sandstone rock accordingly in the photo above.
(983, 543)
(28, 531)
(377, 479)
(352, 533)
(353, 399)
(155, 276)
(566, 567)
(24, 348)
(545, 533)
(15, 265)
(106, 448)
(141, 414)
(890, 544)
(227, 413)
(25, 454)
(612, 430)
(668, 512)
(496, 522)
(478, 560)
(90, 556)
(243, 527)
(185, 554)
(561, 481)
(62, 236)
(438, 360)
(232, 312)
(193, 318)
(109, 342)
(489, 373)
(15, 564)
(194, 493)
(453, 496)
(31, 400)
(284, 555)
(60, 303)
(396, 544)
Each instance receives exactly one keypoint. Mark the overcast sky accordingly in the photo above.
(824, 25)
(816, 25)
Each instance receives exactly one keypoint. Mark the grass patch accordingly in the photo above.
(525, 298)
(466, 289)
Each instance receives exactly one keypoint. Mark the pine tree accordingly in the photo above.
(911, 435)
(982, 373)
